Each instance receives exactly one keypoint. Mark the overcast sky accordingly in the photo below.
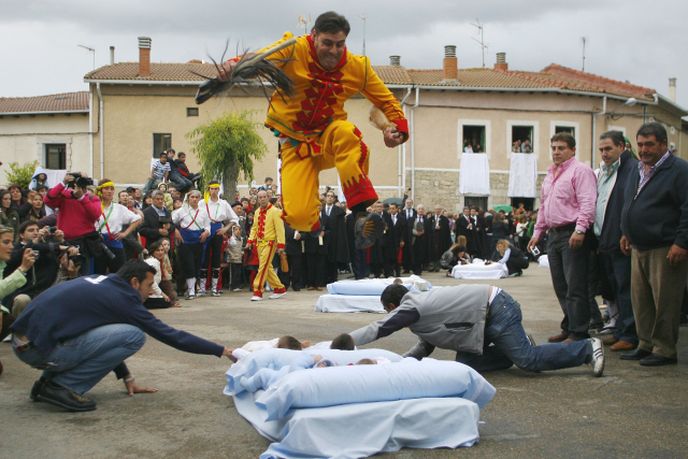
(626, 40)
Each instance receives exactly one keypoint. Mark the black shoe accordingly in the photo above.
(57, 395)
(655, 360)
(635, 355)
(36, 388)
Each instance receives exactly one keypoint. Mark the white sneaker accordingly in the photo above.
(236, 290)
(216, 293)
(597, 361)
(274, 296)
(256, 298)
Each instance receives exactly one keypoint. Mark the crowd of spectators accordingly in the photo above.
(197, 241)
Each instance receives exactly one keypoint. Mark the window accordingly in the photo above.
(55, 156)
(191, 111)
(522, 139)
(475, 201)
(568, 129)
(473, 139)
(161, 142)
(528, 203)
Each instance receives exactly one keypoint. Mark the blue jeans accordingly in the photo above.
(81, 362)
(507, 344)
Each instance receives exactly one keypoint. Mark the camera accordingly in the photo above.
(52, 229)
(79, 181)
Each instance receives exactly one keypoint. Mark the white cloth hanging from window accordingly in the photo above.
(523, 175)
(474, 175)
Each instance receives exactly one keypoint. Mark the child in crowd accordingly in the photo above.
(234, 254)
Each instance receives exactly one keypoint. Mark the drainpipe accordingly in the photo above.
(401, 154)
(413, 144)
(593, 163)
(100, 130)
(90, 133)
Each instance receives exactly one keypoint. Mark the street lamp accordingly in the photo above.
(92, 51)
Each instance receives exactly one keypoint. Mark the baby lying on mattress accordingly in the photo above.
(342, 342)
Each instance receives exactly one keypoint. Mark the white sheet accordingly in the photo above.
(523, 176)
(479, 270)
(370, 287)
(349, 303)
(353, 430)
(474, 175)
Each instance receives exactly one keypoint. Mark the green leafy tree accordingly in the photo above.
(227, 147)
(20, 174)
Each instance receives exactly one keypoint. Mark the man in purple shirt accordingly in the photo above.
(567, 212)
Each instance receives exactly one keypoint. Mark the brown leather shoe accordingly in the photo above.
(622, 345)
(608, 340)
(558, 338)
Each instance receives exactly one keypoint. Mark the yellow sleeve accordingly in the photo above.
(254, 229)
(379, 95)
(282, 55)
(279, 229)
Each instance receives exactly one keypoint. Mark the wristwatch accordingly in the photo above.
(580, 232)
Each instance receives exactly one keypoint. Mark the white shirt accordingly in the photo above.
(219, 211)
(184, 218)
(117, 215)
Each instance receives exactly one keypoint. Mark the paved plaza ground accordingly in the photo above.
(630, 412)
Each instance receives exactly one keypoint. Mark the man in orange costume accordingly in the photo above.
(267, 234)
(312, 126)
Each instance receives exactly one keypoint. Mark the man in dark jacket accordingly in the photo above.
(79, 331)
(654, 223)
(616, 168)
(440, 237)
(333, 217)
(157, 220)
(393, 240)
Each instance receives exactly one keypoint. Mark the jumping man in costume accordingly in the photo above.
(312, 126)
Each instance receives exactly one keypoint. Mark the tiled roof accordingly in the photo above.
(159, 72)
(551, 77)
(54, 103)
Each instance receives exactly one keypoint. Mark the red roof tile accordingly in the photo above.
(551, 77)
(54, 103)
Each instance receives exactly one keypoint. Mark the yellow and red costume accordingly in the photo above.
(267, 235)
(314, 132)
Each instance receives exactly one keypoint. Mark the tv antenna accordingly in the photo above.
(583, 42)
(481, 42)
(364, 19)
(304, 21)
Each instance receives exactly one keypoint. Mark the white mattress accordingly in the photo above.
(349, 303)
(479, 270)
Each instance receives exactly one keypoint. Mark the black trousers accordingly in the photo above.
(103, 264)
(190, 259)
(569, 270)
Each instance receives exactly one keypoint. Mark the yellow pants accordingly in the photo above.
(340, 146)
(266, 253)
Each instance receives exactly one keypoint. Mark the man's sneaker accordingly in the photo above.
(215, 293)
(36, 388)
(201, 293)
(274, 296)
(190, 296)
(597, 360)
(236, 289)
(57, 395)
(256, 298)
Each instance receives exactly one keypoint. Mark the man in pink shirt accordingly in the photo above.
(567, 212)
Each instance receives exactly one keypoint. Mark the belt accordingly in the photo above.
(560, 229)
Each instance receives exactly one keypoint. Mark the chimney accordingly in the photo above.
(144, 56)
(395, 61)
(672, 89)
(501, 65)
(112, 55)
(450, 63)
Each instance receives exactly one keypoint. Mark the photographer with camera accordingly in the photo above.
(47, 245)
(110, 226)
(79, 210)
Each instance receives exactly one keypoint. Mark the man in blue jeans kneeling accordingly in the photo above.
(481, 323)
(79, 331)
